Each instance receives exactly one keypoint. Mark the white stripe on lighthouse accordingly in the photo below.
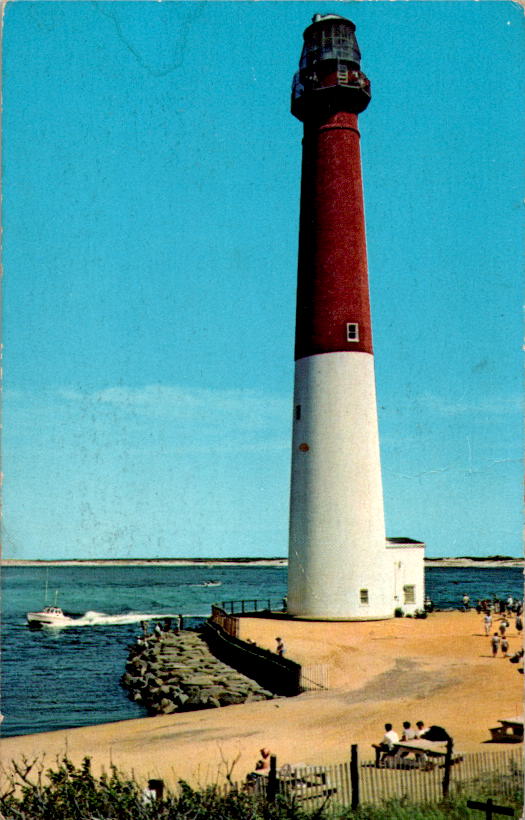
(337, 531)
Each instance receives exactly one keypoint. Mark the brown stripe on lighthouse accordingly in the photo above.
(333, 307)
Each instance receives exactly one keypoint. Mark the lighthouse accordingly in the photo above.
(340, 565)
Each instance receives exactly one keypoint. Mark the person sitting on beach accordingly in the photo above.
(494, 641)
(263, 765)
(420, 728)
(390, 738)
(408, 732)
(436, 734)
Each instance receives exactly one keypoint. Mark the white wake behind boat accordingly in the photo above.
(48, 616)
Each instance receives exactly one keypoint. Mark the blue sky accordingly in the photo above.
(150, 209)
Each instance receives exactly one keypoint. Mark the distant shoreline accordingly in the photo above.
(480, 563)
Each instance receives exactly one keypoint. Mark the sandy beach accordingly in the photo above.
(439, 670)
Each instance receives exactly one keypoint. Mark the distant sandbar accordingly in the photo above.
(490, 562)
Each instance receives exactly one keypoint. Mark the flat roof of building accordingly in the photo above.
(404, 542)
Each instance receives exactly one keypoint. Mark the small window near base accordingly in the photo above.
(297, 412)
(409, 592)
(352, 332)
(363, 596)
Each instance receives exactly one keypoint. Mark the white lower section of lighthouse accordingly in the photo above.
(338, 566)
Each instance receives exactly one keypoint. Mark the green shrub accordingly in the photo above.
(75, 793)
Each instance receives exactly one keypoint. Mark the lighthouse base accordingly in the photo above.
(338, 566)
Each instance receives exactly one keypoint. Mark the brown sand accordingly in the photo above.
(439, 670)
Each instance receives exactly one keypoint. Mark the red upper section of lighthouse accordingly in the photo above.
(333, 309)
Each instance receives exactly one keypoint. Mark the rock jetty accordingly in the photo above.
(178, 673)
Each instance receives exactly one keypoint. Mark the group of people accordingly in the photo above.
(496, 606)
(158, 629)
(391, 738)
(499, 639)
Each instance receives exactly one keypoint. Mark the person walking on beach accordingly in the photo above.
(280, 648)
(519, 624)
(487, 623)
(503, 627)
(466, 602)
(505, 647)
(495, 644)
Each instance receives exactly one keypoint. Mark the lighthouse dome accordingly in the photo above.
(329, 76)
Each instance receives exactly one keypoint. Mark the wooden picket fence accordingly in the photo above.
(341, 785)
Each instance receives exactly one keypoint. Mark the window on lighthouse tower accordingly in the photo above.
(352, 332)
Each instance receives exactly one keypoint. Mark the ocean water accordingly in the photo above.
(61, 678)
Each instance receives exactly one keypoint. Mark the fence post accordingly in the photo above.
(354, 775)
(448, 764)
(271, 790)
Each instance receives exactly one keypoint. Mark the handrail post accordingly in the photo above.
(354, 775)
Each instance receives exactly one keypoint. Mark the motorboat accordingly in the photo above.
(48, 616)
(212, 583)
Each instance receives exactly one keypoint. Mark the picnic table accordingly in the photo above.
(304, 782)
(510, 730)
(420, 749)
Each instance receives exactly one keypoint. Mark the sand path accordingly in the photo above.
(439, 670)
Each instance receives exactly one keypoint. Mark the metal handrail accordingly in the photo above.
(250, 605)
